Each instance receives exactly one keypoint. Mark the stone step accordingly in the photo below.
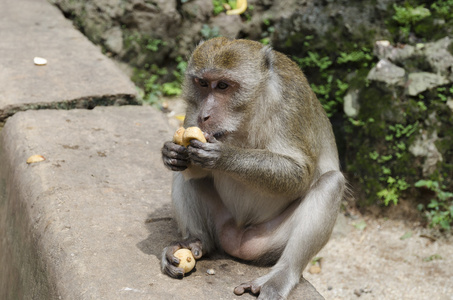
(76, 75)
(91, 220)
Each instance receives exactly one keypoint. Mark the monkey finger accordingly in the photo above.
(195, 246)
(169, 253)
(204, 152)
(196, 144)
(208, 148)
(177, 169)
(172, 155)
(175, 158)
(174, 150)
(173, 271)
(202, 160)
(175, 164)
(176, 155)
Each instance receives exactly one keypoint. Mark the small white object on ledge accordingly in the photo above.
(39, 61)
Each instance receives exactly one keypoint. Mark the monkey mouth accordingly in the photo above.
(219, 134)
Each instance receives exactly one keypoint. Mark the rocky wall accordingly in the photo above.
(401, 122)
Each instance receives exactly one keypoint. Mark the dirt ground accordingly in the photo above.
(387, 259)
(377, 255)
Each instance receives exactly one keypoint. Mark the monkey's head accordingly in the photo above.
(224, 81)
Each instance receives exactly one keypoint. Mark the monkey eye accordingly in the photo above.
(222, 85)
(201, 82)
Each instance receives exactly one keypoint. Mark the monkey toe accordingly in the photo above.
(239, 290)
(247, 287)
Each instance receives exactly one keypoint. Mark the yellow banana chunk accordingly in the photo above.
(241, 6)
(186, 260)
(193, 133)
(184, 136)
(35, 158)
(178, 136)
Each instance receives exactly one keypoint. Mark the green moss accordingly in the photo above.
(428, 21)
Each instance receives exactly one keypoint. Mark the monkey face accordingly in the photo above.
(212, 104)
(221, 85)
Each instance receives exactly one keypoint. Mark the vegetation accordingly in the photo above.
(440, 208)
(152, 81)
(376, 148)
(429, 20)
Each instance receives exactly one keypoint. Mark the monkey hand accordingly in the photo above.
(175, 157)
(205, 155)
(170, 262)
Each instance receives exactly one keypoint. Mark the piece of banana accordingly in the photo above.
(241, 7)
(186, 260)
(184, 136)
(178, 136)
(35, 158)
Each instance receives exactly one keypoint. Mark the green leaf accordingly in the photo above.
(445, 224)
(432, 257)
(406, 235)
(316, 259)
(433, 204)
(388, 195)
(374, 155)
(361, 225)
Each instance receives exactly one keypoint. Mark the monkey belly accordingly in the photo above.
(247, 205)
(252, 242)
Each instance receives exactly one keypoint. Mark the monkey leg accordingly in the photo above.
(309, 229)
(191, 201)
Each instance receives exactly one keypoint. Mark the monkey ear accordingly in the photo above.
(268, 55)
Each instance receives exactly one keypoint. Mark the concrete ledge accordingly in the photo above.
(73, 225)
(77, 75)
(91, 220)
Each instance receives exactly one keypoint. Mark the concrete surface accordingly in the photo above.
(77, 75)
(91, 220)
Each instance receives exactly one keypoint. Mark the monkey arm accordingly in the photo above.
(267, 170)
(263, 169)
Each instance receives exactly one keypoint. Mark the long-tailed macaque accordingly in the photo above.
(266, 187)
